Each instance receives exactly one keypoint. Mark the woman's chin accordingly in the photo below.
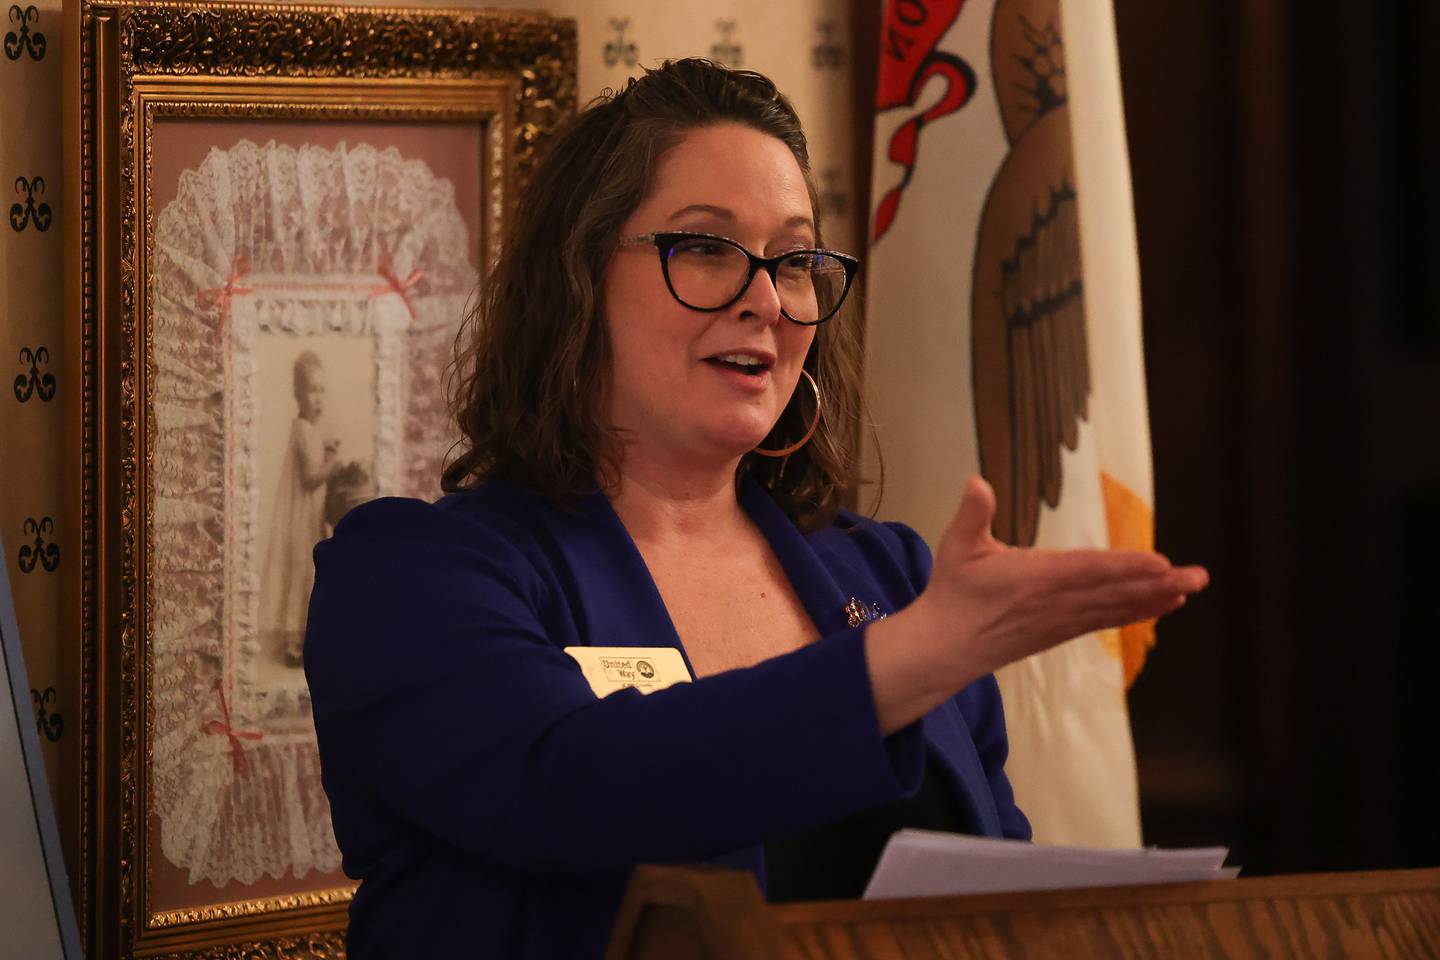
(737, 443)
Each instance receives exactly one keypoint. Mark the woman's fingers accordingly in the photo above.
(1139, 592)
(1120, 615)
(1080, 569)
(1036, 614)
(1061, 570)
(1078, 611)
(1193, 578)
(1047, 631)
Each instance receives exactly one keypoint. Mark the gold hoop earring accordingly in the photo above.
(815, 422)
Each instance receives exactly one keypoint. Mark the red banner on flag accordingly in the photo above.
(908, 60)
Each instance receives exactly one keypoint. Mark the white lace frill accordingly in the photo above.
(273, 239)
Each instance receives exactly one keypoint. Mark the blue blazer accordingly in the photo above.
(491, 806)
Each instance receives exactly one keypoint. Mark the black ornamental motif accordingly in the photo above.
(49, 725)
(30, 211)
(40, 551)
(22, 41)
(33, 383)
(726, 50)
(619, 50)
(826, 54)
(834, 200)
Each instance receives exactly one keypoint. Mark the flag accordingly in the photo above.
(1004, 339)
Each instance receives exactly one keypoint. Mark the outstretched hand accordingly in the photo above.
(1010, 603)
(989, 604)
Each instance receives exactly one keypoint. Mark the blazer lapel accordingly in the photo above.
(814, 583)
(618, 604)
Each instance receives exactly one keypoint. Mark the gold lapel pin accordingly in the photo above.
(857, 613)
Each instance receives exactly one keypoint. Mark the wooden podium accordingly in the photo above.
(705, 913)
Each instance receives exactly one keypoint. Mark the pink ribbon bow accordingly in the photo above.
(218, 727)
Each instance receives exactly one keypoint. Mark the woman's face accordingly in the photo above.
(669, 390)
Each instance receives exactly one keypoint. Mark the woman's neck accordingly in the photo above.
(663, 504)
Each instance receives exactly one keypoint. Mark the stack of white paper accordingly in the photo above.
(923, 863)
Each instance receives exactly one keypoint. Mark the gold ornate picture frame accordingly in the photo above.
(275, 218)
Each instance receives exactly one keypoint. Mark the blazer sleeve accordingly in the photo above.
(979, 703)
(440, 696)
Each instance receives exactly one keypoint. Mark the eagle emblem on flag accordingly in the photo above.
(1029, 344)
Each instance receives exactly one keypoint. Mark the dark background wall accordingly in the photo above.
(1286, 163)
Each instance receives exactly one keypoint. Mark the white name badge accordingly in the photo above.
(647, 669)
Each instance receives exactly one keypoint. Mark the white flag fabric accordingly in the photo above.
(1004, 339)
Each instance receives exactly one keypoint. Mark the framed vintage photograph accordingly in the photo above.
(277, 218)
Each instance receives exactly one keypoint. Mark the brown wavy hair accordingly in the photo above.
(533, 355)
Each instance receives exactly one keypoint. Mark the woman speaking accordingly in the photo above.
(657, 411)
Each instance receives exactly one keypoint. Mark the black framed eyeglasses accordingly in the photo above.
(709, 273)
